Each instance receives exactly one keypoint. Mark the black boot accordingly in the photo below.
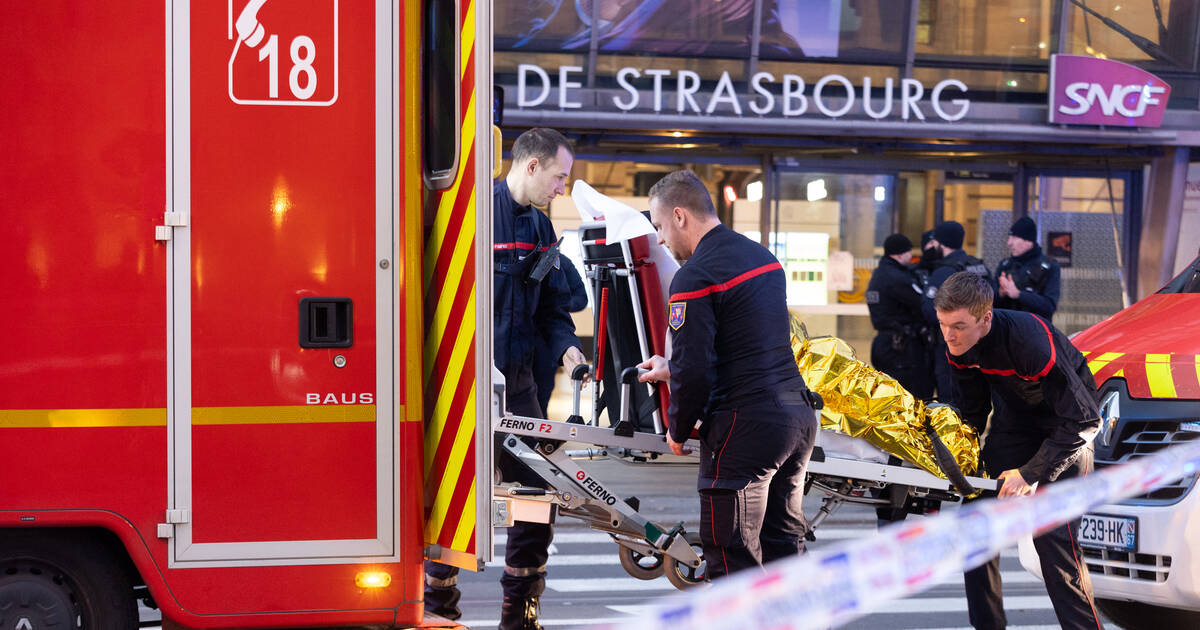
(520, 613)
(441, 590)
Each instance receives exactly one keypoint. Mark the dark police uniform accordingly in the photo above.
(1043, 402)
(523, 311)
(1037, 277)
(900, 349)
(732, 367)
(943, 268)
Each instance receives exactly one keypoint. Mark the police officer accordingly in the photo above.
(930, 254)
(894, 301)
(1044, 415)
(1028, 280)
(530, 300)
(947, 241)
(732, 367)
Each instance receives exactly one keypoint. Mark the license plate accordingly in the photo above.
(1108, 532)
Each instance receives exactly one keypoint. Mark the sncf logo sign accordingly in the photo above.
(1091, 91)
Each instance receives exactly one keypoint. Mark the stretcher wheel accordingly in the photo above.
(683, 576)
(640, 565)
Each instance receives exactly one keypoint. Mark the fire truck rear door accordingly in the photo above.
(283, 283)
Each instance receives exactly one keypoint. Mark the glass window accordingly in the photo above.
(965, 201)
(827, 229)
(538, 25)
(812, 72)
(1152, 33)
(991, 85)
(1008, 31)
(866, 29)
(708, 69)
(1079, 225)
(670, 27)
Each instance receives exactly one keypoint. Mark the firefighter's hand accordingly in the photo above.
(573, 357)
(1008, 288)
(657, 370)
(1014, 484)
(676, 447)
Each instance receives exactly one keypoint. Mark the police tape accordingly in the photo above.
(844, 581)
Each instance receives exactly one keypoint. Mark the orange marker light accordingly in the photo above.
(372, 579)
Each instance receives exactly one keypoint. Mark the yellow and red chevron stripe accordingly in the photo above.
(1165, 375)
(449, 361)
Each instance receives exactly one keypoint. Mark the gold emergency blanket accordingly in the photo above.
(863, 402)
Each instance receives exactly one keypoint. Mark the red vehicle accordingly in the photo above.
(1141, 552)
(239, 279)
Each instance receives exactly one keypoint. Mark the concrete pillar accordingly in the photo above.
(1161, 218)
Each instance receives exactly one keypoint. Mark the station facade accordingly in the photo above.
(823, 126)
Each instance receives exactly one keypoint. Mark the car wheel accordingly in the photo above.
(54, 584)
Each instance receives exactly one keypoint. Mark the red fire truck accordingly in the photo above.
(239, 283)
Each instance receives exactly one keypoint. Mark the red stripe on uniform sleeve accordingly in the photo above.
(517, 245)
(1049, 338)
(725, 286)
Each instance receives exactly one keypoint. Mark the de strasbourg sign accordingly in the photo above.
(1093, 91)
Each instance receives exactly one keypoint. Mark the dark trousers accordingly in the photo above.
(751, 483)
(1063, 570)
(528, 545)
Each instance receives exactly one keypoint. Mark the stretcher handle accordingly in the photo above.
(628, 377)
(577, 376)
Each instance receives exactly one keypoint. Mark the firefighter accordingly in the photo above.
(947, 241)
(732, 367)
(1028, 280)
(1044, 415)
(894, 301)
(530, 299)
(545, 367)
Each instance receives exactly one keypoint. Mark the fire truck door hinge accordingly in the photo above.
(170, 220)
(174, 517)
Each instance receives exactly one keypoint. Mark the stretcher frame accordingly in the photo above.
(575, 492)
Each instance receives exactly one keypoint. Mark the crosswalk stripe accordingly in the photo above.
(629, 583)
(959, 604)
(589, 536)
(913, 605)
(904, 606)
(585, 622)
(573, 560)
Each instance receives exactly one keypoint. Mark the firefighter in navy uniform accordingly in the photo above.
(732, 368)
(947, 241)
(1042, 400)
(894, 301)
(1028, 280)
(530, 299)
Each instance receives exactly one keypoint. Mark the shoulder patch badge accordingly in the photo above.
(676, 315)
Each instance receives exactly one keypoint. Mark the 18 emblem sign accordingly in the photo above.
(283, 53)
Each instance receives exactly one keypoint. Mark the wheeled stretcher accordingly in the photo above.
(626, 420)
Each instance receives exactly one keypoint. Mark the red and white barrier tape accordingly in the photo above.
(847, 580)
